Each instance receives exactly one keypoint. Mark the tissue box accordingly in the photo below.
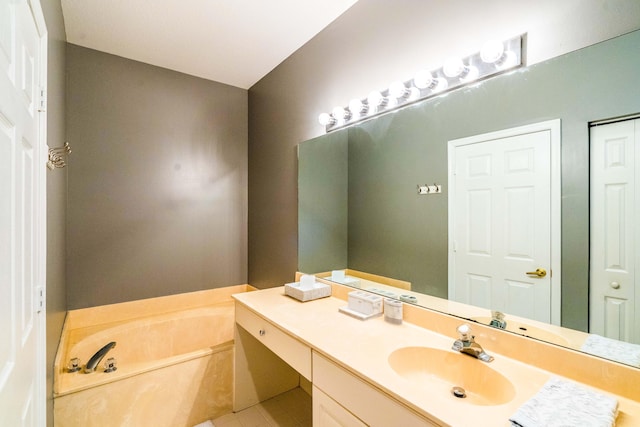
(318, 290)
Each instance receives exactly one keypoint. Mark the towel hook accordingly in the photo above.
(57, 156)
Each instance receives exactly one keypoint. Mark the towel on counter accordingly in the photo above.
(561, 403)
(618, 351)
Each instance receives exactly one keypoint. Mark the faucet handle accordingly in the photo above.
(74, 365)
(498, 315)
(464, 331)
(110, 365)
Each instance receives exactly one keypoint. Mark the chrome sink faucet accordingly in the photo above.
(467, 345)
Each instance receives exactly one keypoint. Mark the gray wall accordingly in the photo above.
(373, 43)
(157, 181)
(56, 190)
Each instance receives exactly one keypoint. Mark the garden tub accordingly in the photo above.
(174, 360)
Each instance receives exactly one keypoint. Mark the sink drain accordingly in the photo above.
(459, 392)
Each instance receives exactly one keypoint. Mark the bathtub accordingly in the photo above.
(174, 360)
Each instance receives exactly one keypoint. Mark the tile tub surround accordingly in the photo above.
(175, 361)
(363, 348)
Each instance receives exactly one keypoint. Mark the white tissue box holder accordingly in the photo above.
(319, 290)
(363, 305)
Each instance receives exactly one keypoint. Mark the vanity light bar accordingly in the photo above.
(495, 57)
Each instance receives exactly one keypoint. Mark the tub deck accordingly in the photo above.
(174, 361)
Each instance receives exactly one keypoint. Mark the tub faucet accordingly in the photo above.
(93, 363)
(467, 345)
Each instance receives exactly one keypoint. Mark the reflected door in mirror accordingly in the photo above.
(615, 231)
(501, 224)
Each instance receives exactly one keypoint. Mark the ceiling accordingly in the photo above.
(236, 42)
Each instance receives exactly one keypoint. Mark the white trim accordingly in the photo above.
(556, 210)
(40, 160)
(38, 15)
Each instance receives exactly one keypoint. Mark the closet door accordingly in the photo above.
(615, 230)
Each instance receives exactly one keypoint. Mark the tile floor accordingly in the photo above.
(290, 409)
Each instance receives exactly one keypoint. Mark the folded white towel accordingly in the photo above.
(562, 403)
(611, 349)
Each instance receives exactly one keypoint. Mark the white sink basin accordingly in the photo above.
(441, 370)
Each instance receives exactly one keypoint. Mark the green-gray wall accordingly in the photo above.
(56, 190)
(157, 181)
(323, 203)
(394, 232)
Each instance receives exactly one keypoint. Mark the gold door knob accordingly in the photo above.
(540, 272)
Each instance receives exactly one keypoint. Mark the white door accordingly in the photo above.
(22, 214)
(615, 234)
(501, 222)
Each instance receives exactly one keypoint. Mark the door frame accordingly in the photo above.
(41, 158)
(554, 127)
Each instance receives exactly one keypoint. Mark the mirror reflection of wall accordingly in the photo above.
(395, 233)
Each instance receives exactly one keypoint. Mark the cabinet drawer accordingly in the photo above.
(286, 347)
(361, 399)
(328, 413)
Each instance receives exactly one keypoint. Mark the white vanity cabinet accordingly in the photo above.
(292, 351)
(358, 399)
(269, 361)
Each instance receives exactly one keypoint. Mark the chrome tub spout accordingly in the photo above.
(93, 363)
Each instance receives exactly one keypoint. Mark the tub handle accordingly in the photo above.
(110, 365)
(262, 332)
(74, 365)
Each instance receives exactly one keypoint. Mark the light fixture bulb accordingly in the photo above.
(325, 119)
(375, 99)
(423, 79)
(340, 113)
(397, 89)
(492, 51)
(453, 67)
(357, 107)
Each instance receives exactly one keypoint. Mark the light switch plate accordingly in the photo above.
(429, 189)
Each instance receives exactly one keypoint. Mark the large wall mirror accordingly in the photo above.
(359, 207)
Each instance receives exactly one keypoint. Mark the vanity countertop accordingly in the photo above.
(363, 347)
